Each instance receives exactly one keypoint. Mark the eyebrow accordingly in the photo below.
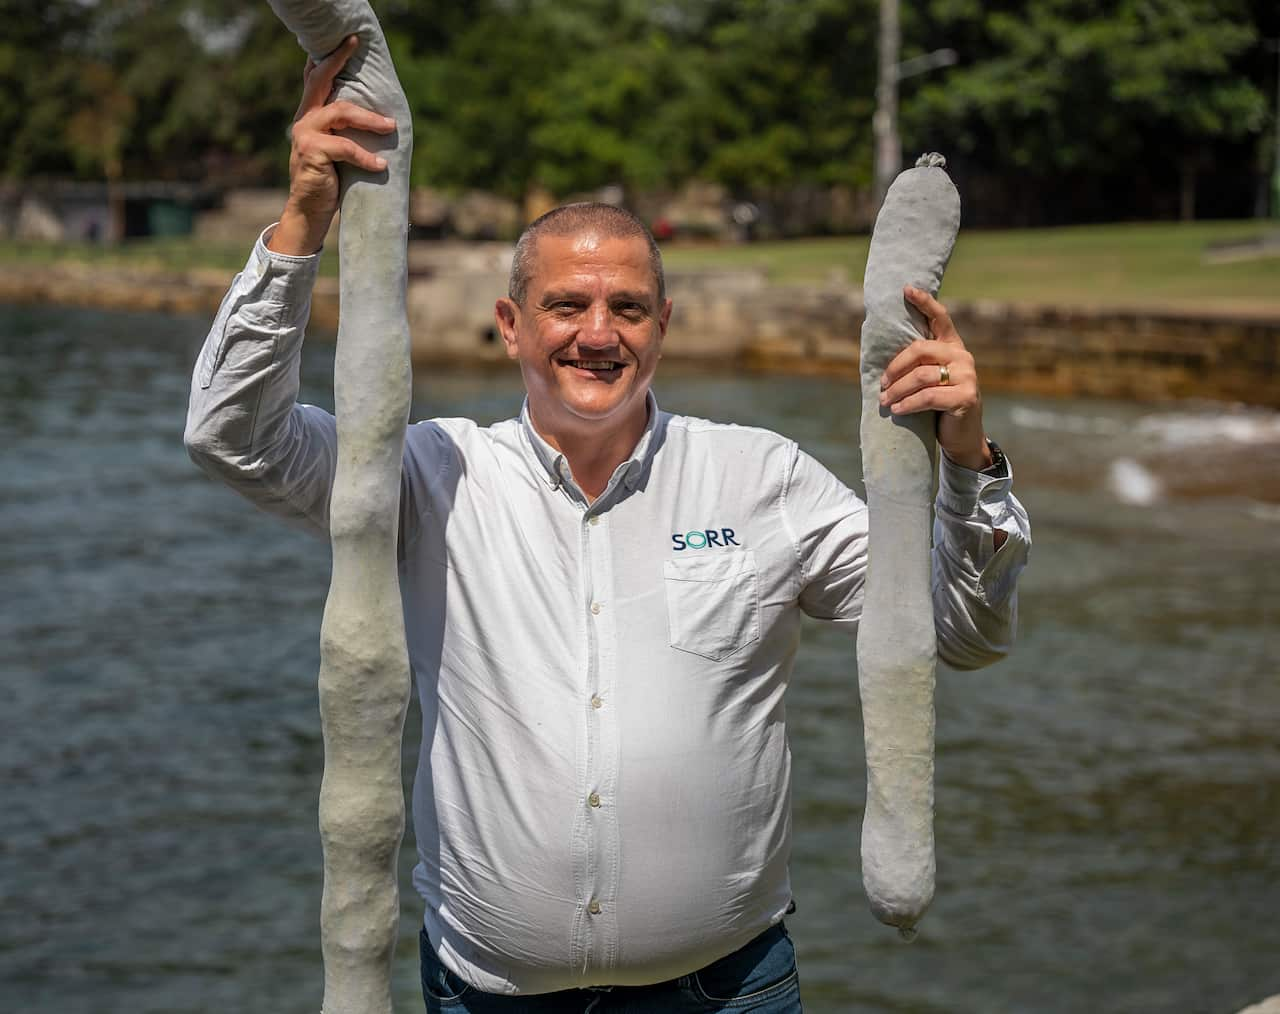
(628, 296)
(631, 297)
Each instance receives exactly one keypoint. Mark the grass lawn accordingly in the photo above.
(1131, 264)
(172, 253)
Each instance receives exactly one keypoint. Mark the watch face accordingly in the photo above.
(997, 466)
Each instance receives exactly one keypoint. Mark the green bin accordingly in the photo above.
(169, 218)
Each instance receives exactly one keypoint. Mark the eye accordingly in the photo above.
(631, 311)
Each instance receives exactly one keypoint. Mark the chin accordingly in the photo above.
(588, 404)
(594, 410)
(598, 404)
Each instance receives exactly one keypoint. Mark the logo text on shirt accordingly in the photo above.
(704, 539)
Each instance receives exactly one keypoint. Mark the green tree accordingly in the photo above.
(209, 80)
(38, 83)
(1083, 109)
(1050, 89)
(573, 95)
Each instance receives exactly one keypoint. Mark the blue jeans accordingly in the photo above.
(760, 976)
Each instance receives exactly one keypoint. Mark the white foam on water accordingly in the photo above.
(1249, 427)
(1237, 425)
(1132, 483)
(1181, 428)
(1264, 511)
(1061, 422)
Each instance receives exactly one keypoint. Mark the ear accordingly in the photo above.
(506, 314)
(664, 318)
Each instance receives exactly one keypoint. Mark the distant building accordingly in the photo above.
(66, 211)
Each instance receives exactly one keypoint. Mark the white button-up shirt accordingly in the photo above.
(604, 790)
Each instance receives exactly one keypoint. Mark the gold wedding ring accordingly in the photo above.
(944, 375)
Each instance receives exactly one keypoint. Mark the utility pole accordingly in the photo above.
(1274, 44)
(884, 125)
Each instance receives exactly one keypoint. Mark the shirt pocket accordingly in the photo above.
(216, 344)
(713, 603)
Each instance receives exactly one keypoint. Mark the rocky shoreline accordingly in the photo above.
(738, 319)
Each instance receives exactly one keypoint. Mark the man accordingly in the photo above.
(602, 604)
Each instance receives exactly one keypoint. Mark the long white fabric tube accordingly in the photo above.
(364, 669)
(897, 647)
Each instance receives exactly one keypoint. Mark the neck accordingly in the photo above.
(595, 451)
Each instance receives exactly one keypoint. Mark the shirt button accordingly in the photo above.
(594, 907)
(596, 702)
(595, 608)
(594, 799)
(594, 519)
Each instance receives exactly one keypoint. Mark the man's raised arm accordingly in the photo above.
(981, 533)
(243, 424)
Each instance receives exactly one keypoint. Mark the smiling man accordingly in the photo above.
(603, 604)
(586, 315)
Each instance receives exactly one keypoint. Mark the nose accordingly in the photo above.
(596, 330)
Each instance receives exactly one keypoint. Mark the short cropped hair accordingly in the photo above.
(570, 219)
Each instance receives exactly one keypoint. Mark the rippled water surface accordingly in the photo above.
(1108, 798)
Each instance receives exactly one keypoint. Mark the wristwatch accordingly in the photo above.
(999, 467)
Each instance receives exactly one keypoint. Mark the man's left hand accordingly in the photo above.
(939, 375)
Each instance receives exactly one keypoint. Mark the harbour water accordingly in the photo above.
(1108, 818)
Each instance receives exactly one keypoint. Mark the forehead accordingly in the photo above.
(591, 258)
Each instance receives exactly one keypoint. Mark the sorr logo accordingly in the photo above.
(704, 539)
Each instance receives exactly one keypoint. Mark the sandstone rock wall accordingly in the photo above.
(736, 319)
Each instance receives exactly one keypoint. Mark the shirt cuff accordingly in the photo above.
(270, 300)
(971, 508)
(288, 277)
(961, 490)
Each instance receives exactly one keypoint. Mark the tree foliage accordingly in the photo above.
(569, 96)
(1070, 94)
(573, 94)
(1070, 84)
(161, 86)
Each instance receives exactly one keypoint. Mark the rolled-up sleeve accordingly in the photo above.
(975, 602)
(244, 426)
(975, 586)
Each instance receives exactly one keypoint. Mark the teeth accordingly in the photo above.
(583, 364)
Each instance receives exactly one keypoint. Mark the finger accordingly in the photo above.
(319, 147)
(320, 81)
(918, 379)
(941, 326)
(918, 353)
(935, 399)
(960, 376)
(335, 61)
(345, 115)
(924, 302)
(304, 103)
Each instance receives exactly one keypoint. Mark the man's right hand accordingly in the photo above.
(313, 180)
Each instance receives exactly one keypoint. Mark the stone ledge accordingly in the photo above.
(723, 320)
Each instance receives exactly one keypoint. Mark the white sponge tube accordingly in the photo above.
(364, 668)
(897, 647)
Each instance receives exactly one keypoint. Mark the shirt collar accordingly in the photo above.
(556, 468)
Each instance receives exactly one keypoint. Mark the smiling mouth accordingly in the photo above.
(594, 365)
